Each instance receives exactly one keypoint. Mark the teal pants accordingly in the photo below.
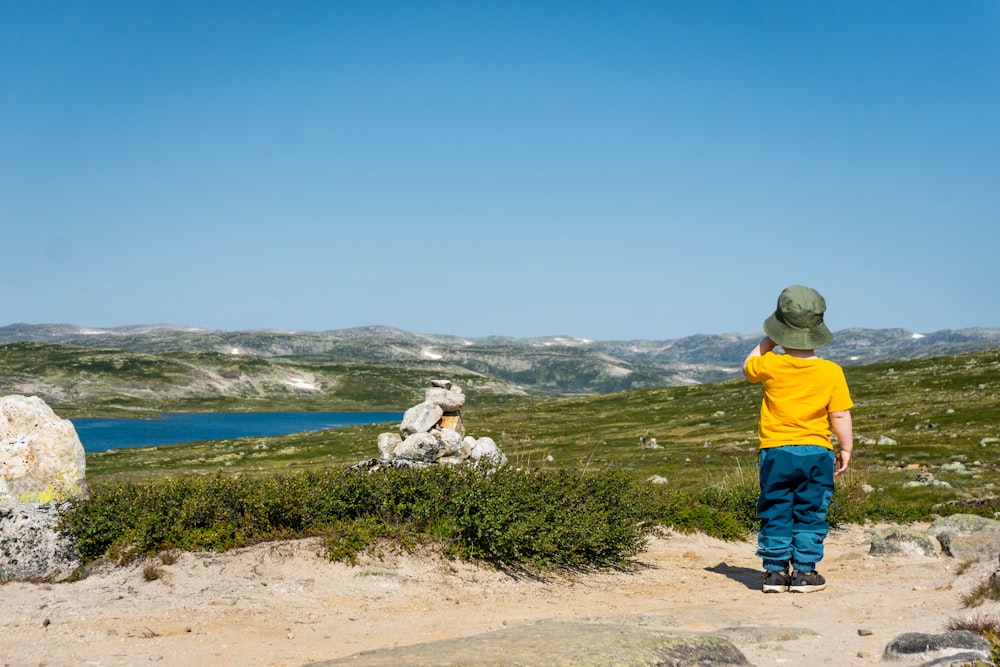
(796, 484)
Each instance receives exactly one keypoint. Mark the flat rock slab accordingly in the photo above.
(558, 644)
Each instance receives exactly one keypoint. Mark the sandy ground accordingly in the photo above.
(283, 604)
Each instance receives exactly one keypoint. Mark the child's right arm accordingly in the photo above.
(763, 347)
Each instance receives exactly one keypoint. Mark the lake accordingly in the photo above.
(100, 435)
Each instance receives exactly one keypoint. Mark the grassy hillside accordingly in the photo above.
(942, 413)
(80, 382)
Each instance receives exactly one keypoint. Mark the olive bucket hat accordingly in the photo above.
(798, 321)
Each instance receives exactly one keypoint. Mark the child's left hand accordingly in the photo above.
(840, 462)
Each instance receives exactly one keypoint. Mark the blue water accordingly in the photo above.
(99, 435)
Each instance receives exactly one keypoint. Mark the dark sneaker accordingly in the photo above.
(806, 582)
(775, 581)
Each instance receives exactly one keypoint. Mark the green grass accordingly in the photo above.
(79, 382)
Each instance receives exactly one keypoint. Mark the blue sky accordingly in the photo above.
(611, 170)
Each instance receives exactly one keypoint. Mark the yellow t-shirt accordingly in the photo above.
(799, 395)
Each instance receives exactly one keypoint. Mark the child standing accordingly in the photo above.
(804, 396)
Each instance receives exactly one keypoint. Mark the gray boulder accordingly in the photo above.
(914, 646)
(41, 457)
(902, 542)
(967, 536)
(31, 548)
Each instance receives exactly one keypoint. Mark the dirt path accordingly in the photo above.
(281, 604)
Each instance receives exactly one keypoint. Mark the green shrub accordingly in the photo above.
(97, 522)
(688, 515)
(346, 539)
(736, 496)
(552, 518)
(544, 519)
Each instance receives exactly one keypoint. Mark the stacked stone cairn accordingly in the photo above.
(432, 433)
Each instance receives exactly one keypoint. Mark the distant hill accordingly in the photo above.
(556, 365)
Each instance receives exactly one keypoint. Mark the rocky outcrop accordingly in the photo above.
(967, 537)
(432, 433)
(41, 457)
(902, 541)
(964, 537)
(31, 546)
(577, 643)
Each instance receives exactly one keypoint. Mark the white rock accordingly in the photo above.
(450, 401)
(417, 447)
(449, 442)
(486, 448)
(41, 457)
(387, 444)
(421, 418)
